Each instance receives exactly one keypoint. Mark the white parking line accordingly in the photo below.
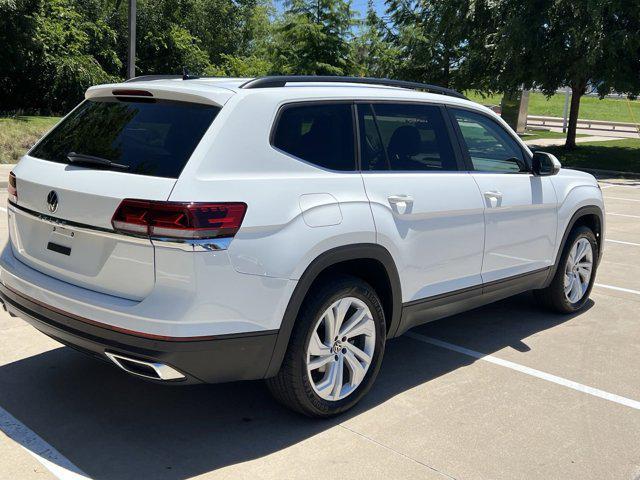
(619, 289)
(623, 215)
(59, 465)
(623, 243)
(610, 185)
(623, 198)
(612, 397)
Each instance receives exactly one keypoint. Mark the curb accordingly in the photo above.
(607, 173)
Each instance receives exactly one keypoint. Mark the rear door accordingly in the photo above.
(67, 191)
(428, 213)
(520, 208)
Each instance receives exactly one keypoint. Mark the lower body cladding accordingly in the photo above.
(212, 360)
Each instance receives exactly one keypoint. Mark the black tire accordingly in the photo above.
(291, 386)
(553, 297)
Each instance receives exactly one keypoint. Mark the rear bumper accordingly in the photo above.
(220, 358)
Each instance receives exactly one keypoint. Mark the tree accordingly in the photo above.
(18, 26)
(53, 50)
(433, 37)
(166, 44)
(252, 56)
(374, 54)
(53, 57)
(588, 45)
(314, 38)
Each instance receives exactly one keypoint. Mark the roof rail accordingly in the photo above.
(281, 81)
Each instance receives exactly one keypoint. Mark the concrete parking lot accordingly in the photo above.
(507, 391)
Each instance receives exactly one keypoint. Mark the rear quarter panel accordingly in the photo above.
(296, 211)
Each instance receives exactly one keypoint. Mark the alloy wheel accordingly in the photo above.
(341, 348)
(578, 269)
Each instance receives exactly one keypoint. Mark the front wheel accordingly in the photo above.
(570, 288)
(335, 350)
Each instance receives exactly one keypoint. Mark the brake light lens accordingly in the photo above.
(12, 187)
(178, 220)
(131, 93)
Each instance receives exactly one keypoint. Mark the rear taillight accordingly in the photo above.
(178, 220)
(12, 188)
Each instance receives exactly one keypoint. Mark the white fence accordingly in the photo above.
(540, 121)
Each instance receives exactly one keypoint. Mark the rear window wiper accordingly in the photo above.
(81, 158)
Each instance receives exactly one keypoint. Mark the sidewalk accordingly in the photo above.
(546, 142)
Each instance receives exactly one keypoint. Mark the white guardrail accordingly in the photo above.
(540, 121)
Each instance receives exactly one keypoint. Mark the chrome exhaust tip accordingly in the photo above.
(142, 368)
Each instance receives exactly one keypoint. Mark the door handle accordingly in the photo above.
(402, 204)
(493, 194)
(395, 199)
(493, 198)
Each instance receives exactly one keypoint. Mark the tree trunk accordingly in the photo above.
(577, 90)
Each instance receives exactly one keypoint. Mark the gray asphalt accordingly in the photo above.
(433, 413)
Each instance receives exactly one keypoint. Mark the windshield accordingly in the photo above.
(149, 137)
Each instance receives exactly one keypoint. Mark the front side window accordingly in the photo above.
(148, 137)
(321, 134)
(490, 147)
(404, 137)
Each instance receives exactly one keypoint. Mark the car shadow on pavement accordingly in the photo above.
(116, 427)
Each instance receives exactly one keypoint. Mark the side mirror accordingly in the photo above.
(545, 164)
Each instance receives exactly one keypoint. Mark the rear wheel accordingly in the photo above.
(335, 350)
(570, 288)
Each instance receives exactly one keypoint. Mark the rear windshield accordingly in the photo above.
(149, 137)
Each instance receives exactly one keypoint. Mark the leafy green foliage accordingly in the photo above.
(53, 67)
(313, 38)
(248, 66)
(55, 49)
(435, 38)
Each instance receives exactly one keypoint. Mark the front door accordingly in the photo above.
(520, 208)
(427, 210)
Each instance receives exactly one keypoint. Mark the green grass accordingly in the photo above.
(591, 108)
(620, 155)
(19, 133)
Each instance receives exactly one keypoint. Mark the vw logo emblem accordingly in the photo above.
(52, 201)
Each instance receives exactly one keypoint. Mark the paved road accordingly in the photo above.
(507, 392)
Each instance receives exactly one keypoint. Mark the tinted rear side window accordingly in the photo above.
(321, 134)
(153, 138)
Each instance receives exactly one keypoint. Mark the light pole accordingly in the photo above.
(131, 57)
(565, 112)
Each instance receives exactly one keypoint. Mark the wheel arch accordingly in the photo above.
(590, 216)
(370, 262)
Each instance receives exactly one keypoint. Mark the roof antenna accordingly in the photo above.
(186, 75)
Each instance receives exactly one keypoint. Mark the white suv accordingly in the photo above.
(283, 228)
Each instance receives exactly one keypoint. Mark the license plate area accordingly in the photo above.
(60, 240)
(54, 247)
(97, 260)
